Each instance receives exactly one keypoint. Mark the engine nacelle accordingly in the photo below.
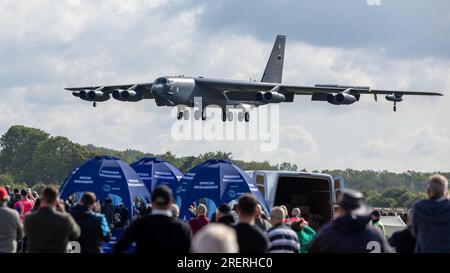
(82, 95)
(395, 97)
(93, 95)
(341, 98)
(270, 97)
(127, 95)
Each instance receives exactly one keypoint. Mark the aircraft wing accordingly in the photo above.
(108, 89)
(244, 86)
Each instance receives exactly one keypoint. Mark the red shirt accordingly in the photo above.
(296, 219)
(23, 207)
(197, 223)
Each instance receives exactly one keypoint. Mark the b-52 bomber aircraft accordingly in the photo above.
(180, 91)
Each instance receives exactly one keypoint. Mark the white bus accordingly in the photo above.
(314, 193)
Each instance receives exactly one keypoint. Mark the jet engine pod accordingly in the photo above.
(395, 97)
(127, 95)
(270, 97)
(76, 93)
(340, 98)
(260, 96)
(94, 95)
(344, 98)
(83, 95)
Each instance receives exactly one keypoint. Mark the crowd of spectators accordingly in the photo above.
(35, 223)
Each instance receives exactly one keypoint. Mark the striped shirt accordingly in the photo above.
(283, 240)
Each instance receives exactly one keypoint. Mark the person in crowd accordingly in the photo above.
(297, 216)
(336, 211)
(158, 232)
(11, 228)
(121, 215)
(286, 219)
(25, 204)
(107, 209)
(192, 210)
(282, 238)
(215, 238)
(175, 210)
(376, 221)
(10, 194)
(11, 201)
(17, 198)
(201, 220)
(223, 215)
(260, 222)
(431, 218)
(49, 229)
(403, 241)
(250, 238)
(350, 232)
(305, 234)
(138, 207)
(94, 227)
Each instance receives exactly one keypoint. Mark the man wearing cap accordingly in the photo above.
(350, 232)
(158, 232)
(11, 229)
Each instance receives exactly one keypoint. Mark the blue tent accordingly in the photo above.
(217, 180)
(155, 171)
(106, 176)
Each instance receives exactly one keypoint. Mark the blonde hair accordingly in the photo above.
(202, 209)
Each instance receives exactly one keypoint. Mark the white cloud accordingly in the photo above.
(86, 42)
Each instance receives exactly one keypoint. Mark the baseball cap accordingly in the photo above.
(162, 195)
(4, 196)
(353, 201)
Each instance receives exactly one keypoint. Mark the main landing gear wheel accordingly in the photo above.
(94, 104)
(247, 116)
(186, 114)
(395, 107)
(180, 115)
(204, 115)
(230, 116)
(197, 114)
(240, 116)
(224, 116)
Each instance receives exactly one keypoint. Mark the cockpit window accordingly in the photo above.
(161, 81)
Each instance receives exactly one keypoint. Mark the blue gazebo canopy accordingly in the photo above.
(155, 171)
(106, 176)
(218, 180)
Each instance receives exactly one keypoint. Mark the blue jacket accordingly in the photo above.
(349, 234)
(94, 228)
(431, 225)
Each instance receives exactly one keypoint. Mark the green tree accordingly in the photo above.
(6, 179)
(54, 159)
(17, 145)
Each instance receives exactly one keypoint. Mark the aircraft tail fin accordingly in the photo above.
(274, 68)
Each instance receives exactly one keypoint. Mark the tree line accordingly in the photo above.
(32, 157)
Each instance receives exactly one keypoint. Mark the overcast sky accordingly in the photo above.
(47, 45)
